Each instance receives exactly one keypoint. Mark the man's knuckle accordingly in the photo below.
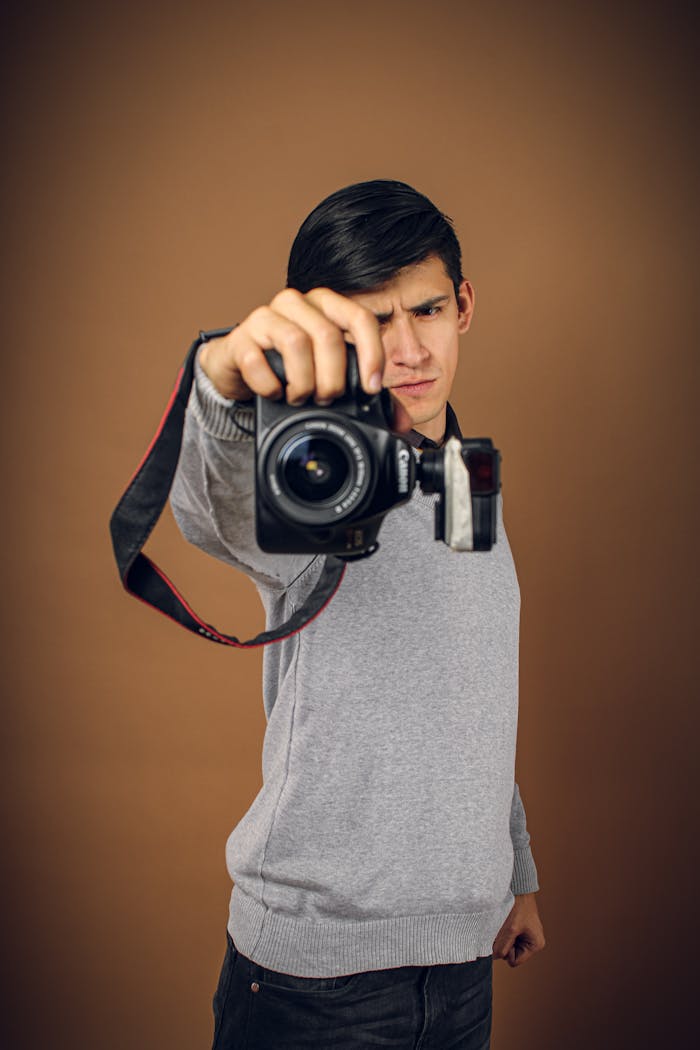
(260, 313)
(248, 357)
(285, 296)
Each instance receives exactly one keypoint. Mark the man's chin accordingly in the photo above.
(422, 418)
(403, 419)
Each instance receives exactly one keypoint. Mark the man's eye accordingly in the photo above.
(430, 311)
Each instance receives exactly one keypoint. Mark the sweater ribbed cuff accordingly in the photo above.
(217, 415)
(524, 872)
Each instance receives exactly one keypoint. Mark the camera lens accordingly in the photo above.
(314, 469)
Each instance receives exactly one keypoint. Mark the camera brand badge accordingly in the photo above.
(403, 456)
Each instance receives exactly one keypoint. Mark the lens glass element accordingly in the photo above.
(314, 469)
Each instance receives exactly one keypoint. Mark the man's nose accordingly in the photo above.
(402, 344)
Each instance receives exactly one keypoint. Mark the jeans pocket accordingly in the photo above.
(286, 982)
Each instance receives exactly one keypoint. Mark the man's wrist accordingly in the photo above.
(221, 417)
(226, 380)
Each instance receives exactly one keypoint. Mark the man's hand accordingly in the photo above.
(309, 331)
(521, 935)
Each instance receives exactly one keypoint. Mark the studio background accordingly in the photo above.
(158, 161)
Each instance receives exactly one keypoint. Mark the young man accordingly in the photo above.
(385, 863)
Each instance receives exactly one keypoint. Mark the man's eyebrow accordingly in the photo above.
(425, 305)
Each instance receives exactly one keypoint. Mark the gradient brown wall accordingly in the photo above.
(158, 160)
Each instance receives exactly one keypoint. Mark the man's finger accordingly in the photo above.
(504, 943)
(325, 340)
(362, 325)
(237, 368)
(269, 330)
(519, 954)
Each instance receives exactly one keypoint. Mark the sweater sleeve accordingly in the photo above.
(524, 871)
(213, 492)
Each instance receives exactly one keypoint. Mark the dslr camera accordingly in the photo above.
(326, 477)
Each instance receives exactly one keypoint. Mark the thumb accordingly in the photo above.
(504, 947)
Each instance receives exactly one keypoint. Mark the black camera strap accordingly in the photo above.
(137, 512)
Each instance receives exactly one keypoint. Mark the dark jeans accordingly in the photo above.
(406, 1008)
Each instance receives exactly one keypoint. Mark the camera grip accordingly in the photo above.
(352, 375)
(274, 360)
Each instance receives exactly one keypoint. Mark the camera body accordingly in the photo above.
(326, 477)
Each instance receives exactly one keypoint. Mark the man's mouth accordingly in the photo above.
(414, 389)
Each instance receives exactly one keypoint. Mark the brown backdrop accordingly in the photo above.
(158, 159)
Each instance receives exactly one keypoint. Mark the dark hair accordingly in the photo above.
(361, 236)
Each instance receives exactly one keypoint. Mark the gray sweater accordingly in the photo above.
(389, 830)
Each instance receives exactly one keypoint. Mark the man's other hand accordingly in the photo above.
(521, 935)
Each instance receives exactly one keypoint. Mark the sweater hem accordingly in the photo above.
(304, 948)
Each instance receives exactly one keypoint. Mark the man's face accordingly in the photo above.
(420, 322)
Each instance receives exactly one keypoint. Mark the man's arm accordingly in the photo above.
(521, 935)
(524, 871)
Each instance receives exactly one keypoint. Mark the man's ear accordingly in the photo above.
(465, 306)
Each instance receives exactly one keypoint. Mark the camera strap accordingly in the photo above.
(139, 509)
